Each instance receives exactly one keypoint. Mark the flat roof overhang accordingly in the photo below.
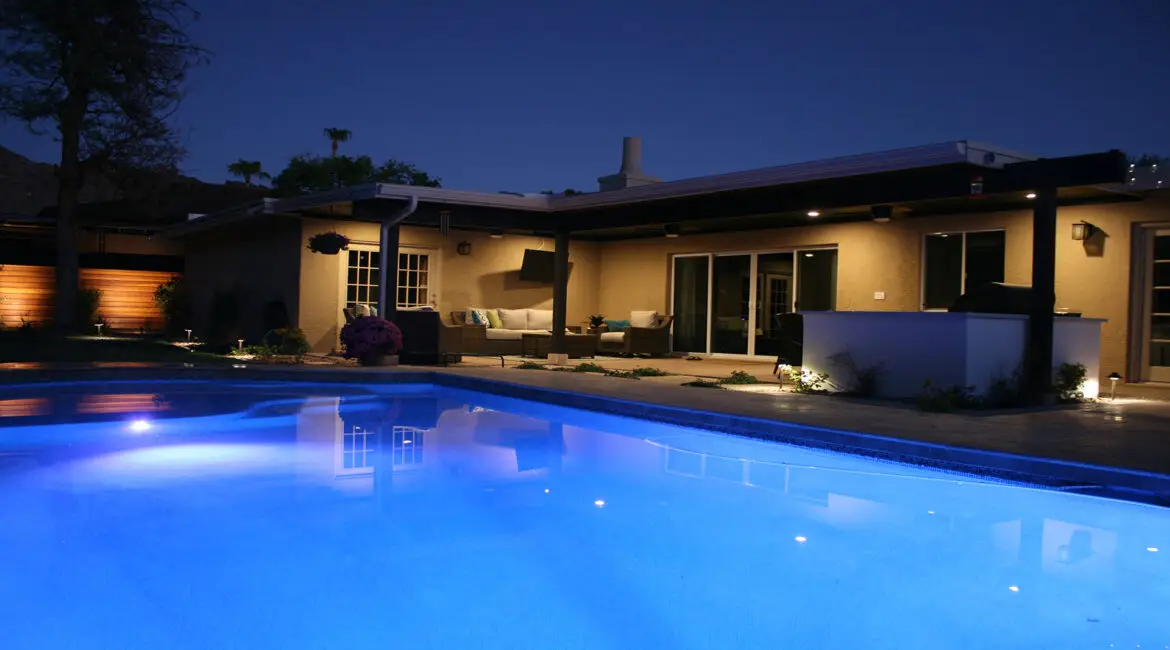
(914, 182)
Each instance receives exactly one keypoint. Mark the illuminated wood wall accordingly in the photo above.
(127, 303)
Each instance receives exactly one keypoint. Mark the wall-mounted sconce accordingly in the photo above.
(1082, 231)
(463, 248)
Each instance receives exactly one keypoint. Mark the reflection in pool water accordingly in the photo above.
(431, 518)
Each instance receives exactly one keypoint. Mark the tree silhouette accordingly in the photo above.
(106, 75)
(336, 137)
(246, 169)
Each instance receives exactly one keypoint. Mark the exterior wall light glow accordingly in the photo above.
(1082, 231)
(1030, 195)
(813, 213)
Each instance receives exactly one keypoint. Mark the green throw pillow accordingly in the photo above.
(617, 325)
(494, 319)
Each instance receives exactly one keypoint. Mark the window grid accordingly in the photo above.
(361, 283)
(407, 448)
(357, 448)
(413, 280)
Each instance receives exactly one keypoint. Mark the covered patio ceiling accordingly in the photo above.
(910, 183)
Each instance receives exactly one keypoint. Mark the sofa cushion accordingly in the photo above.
(540, 319)
(498, 334)
(643, 319)
(613, 337)
(617, 326)
(514, 319)
(494, 318)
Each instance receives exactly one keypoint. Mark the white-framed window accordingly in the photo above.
(954, 262)
(414, 279)
(358, 450)
(361, 278)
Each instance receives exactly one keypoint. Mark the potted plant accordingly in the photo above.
(596, 323)
(328, 243)
(372, 341)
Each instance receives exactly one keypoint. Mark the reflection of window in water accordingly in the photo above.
(357, 448)
(408, 445)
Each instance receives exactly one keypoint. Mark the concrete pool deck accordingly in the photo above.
(1065, 446)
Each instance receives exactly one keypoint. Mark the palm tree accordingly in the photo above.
(246, 169)
(337, 136)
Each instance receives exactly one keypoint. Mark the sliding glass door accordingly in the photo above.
(744, 303)
(691, 280)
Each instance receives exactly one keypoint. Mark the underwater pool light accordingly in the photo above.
(139, 425)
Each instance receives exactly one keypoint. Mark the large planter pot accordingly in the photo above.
(378, 359)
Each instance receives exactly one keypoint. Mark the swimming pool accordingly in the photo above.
(277, 515)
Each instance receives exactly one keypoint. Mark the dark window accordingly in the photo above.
(947, 277)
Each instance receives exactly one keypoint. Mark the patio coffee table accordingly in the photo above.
(578, 345)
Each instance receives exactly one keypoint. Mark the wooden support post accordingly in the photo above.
(1040, 321)
(560, 293)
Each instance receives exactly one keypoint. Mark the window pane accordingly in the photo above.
(402, 297)
(729, 331)
(353, 276)
(944, 271)
(1162, 247)
(1162, 274)
(424, 262)
(402, 278)
(1161, 301)
(375, 259)
(985, 258)
(775, 328)
(816, 274)
(353, 258)
(363, 276)
(690, 304)
(1160, 328)
(363, 294)
(363, 258)
(1160, 354)
(351, 293)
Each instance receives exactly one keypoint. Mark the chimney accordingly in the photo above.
(630, 175)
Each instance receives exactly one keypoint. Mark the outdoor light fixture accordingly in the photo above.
(497, 234)
(463, 248)
(1082, 231)
(1113, 379)
(240, 343)
(813, 213)
(1030, 195)
(188, 335)
(881, 213)
(99, 328)
(800, 539)
(670, 231)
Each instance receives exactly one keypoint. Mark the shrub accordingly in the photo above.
(863, 382)
(529, 365)
(174, 301)
(806, 381)
(702, 383)
(1005, 392)
(945, 400)
(595, 320)
(650, 372)
(286, 340)
(1069, 382)
(739, 377)
(589, 367)
(622, 374)
(88, 306)
(370, 335)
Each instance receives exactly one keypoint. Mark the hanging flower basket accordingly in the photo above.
(328, 243)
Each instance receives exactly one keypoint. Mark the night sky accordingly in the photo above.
(533, 95)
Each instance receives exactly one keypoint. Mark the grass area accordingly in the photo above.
(18, 346)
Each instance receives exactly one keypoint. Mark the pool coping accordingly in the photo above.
(1102, 480)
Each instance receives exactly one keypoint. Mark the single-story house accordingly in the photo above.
(908, 230)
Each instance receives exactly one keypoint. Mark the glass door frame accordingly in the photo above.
(1143, 295)
(793, 294)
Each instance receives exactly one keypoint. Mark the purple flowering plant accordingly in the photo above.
(369, 335)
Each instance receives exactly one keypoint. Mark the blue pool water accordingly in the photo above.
(191, 515)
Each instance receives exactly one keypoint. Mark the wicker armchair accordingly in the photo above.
(652, 341)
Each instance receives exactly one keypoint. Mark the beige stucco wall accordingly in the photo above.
(875, 257)
(260, 260)
(488, 277)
